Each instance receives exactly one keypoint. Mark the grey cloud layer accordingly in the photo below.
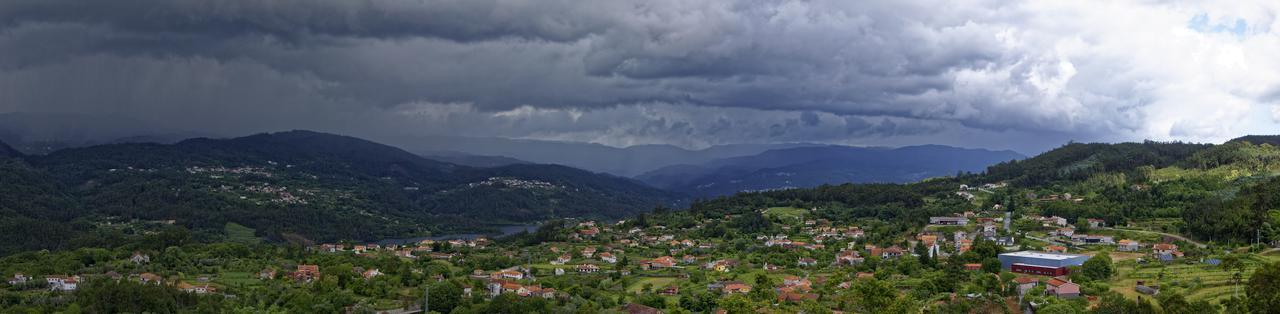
(691, 73)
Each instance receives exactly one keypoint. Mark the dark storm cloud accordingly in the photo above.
(460, 20)
(691, 73)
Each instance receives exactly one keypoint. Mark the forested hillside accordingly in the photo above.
(1224, 192)
(294, 185)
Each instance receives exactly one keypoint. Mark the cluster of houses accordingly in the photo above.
(783, 242)
(72, 283)
(415, 250)
(1060, 286)
(1054, 197)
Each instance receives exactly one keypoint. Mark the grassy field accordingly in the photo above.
(1196, 281)
(786, 212)
(657, 282)
(234, 279)
(239, 233)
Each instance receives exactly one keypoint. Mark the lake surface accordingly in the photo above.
(502, 232)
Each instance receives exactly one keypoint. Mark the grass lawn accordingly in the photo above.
(786, 212)
(236, 279)
(239, 233)
(657, 282)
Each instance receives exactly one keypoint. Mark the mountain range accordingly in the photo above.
(803, 167)
(303, 184)
(625, 161)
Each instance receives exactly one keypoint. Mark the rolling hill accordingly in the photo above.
(314, 185)
(812, 166)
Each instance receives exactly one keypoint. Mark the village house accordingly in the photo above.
(1096, 223)
(306, 273)
(1055, 249)
(330, 248)
(149, 278)
(589, 252)
(772, 242)
(886, 253)
(736, 287)
(608, 258)
(671, 290)
(498, 287)
(1026, 283)
(588, 268)
(1062, 288)
(1164, 248)
(62, 283)
(722, 265)
(565, 258)
(1128, 246)
(964, 245)
(849, 257)
(18, 279)
(1166, 252)
(268, 273)
(661, 262)
(507, 274)
(1064, 232)
(197, 289)
(1055, 220)
(139, 258)
(806, 262)
(369, 274)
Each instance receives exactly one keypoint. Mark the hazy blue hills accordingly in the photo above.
(812, 166)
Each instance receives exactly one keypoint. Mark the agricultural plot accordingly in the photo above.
(1196, 281)
(786, 213)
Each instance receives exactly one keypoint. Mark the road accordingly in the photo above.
(1175, 236)
(1047, 240)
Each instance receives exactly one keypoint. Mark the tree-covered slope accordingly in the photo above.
(1223, 192)
(314, 185)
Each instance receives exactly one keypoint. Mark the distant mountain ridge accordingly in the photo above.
(812, 166)
(315, 185)
(626, 162)
(477, 161)
(7, 151)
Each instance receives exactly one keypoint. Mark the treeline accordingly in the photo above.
(1078, 162)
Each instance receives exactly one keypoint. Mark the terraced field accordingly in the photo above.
(1196, 281)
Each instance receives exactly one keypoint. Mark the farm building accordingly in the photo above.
(949, 221)
(1039, 263)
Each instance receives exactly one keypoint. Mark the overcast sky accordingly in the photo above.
(1022, 75)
